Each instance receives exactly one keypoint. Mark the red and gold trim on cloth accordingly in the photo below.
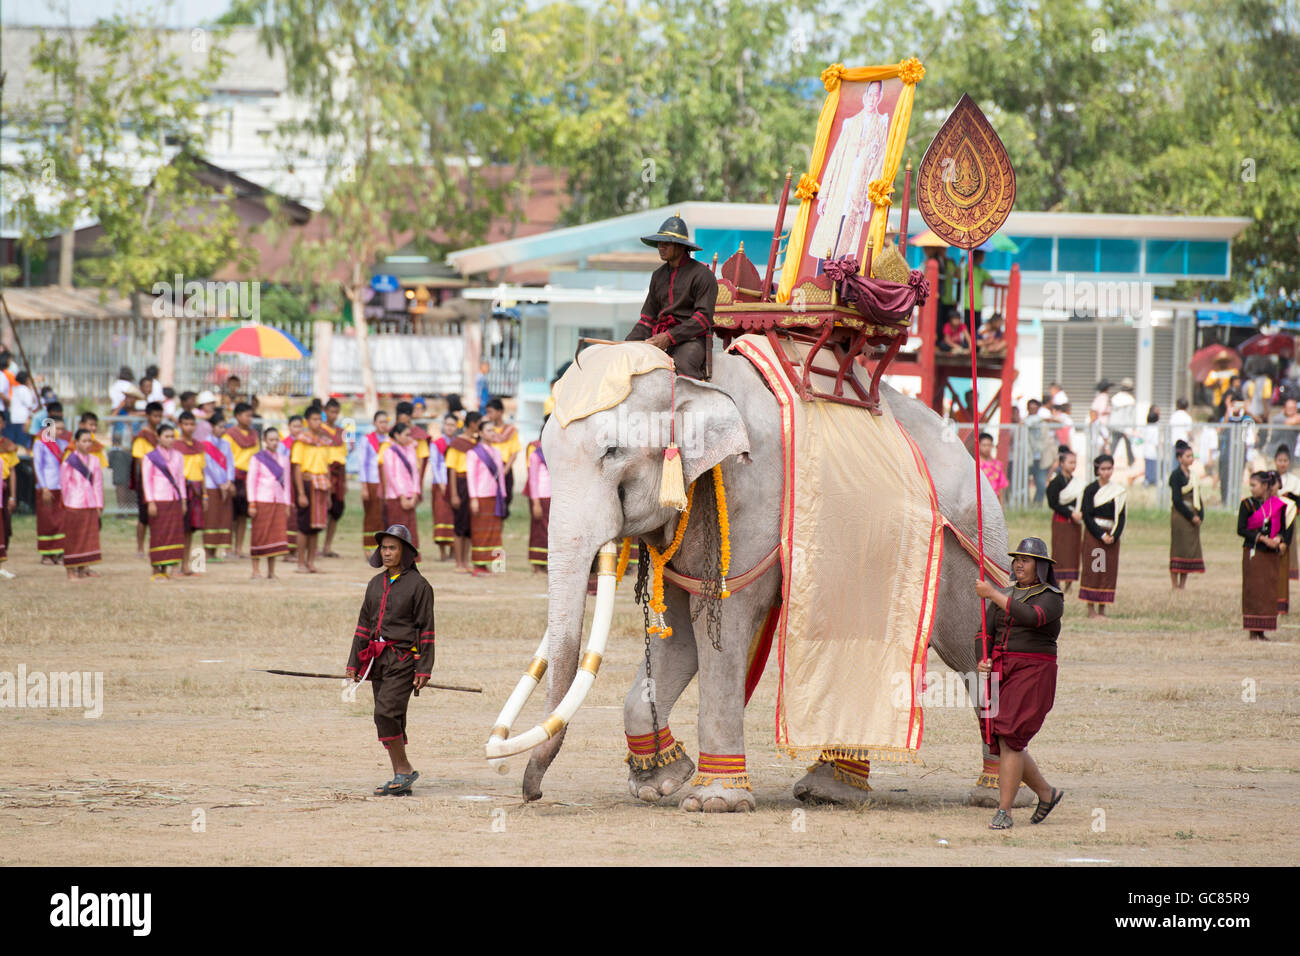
(852, 772)
(726, 769)
(641, 750)
(1182, 566)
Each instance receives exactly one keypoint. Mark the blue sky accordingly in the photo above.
(85, 12)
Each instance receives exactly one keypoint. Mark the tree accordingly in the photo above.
(107, 121)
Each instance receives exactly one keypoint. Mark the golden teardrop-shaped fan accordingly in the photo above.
(890, 266)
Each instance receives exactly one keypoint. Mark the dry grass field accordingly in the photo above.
(1166, 756)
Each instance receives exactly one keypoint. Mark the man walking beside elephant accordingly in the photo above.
(678, 312)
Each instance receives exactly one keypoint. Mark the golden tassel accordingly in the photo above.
(672, 485)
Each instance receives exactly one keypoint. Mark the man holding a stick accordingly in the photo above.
(393, 646)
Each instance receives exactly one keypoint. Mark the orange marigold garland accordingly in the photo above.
(658, 559)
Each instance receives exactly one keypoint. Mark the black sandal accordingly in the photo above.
(1001, 821)
(1043, 809)
(399, 786)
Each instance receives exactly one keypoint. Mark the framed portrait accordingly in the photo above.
(845, 195)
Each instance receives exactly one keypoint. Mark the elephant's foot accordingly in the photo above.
(721, 786)
(839, 782)
(651, 778)
(985, 791)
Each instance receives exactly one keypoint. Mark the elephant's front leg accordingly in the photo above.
(722, 783)
(654, 773)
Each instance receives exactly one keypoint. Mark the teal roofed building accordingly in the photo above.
(1094, 297)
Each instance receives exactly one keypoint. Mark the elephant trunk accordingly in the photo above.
(569, 563)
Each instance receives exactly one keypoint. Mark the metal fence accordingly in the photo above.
(1144, 458)
(79, 357)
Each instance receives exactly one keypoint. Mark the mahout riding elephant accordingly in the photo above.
(606, 487)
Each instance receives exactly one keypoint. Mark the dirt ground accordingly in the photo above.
(1176, 739)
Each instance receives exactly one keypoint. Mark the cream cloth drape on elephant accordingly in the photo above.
(601, 377)
(861, 549)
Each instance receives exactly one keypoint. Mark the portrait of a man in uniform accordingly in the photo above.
(856, 159)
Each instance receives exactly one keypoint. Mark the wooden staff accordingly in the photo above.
(902, 216)
(263, 670)
(776, 236)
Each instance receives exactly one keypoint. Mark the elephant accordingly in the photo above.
(604, 488)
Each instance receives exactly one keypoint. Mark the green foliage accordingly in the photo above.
(109, 110)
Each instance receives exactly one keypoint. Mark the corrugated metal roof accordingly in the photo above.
(54, 302)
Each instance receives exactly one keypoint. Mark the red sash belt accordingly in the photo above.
(372, 651)
(1057, 518)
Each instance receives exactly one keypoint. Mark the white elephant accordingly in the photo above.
(604, 489)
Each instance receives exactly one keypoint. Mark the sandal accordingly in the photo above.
(1043, 809)
(1001, 821)
(399, 786)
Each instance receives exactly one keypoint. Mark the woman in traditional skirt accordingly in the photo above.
(82, 477)
(268, 503)
(1289, 491)
(444, 517)
(485, 476)
(1103, 523)
(372, 498)
(162, 476)
(1064, 492)
(1185, 519)
(296, 426)
(458, 452)
(47, 455)
(219, 485)
(538, 489)
(399, 467)
(1261, 522)
(195, 457)
(1021, 627)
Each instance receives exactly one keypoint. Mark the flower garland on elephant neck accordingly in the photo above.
(658, 559)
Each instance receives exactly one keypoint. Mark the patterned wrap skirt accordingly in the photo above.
(167, 533)
(1259, 589)
(1066, 537)
(1184, 545)
(1100, 570)
(81, 537)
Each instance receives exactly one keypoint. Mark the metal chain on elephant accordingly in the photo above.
(710, 598)
(641, 595)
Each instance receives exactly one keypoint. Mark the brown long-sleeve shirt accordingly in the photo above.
(680, 302)
(1030, 624)
(400, 611)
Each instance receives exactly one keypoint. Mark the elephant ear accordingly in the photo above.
(709, 427)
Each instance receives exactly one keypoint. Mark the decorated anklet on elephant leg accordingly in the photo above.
(641, 751)
(725, 769)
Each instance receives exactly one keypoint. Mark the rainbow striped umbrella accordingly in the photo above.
(260, 341)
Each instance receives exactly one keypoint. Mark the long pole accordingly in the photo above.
(776, 237)
(979, 491)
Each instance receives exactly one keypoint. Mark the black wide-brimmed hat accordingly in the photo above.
(673, 230)
(402, 534)
(1044, 569)
(1032, 548)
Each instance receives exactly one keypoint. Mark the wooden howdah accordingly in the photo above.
(839, 334)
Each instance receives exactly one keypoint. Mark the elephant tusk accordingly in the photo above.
(518, 697)
(499, 744)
